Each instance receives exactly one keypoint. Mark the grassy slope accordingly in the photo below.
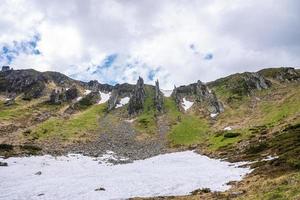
(76, 126)
(146, 120)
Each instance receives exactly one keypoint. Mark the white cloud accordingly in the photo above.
(154, 37)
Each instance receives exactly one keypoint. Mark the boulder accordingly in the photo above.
(137, 99)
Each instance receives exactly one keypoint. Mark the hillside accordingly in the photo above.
(250, 116)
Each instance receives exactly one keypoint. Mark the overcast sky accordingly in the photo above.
(176, 41)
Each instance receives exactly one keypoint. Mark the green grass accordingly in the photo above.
(283, 187)
(274, 112)
(220, 139)
(171, 109)
(146, 121)
(24, 109)
(81, 123)
(190, 130)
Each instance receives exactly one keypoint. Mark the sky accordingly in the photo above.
(175, 41)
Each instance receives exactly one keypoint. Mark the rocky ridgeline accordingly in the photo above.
(255, 80)
(201, 93)
(283, 74)
(96, 86)
(158, 99)
(30, 82)
(137, 98)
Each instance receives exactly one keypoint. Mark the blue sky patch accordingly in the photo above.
(10, 51)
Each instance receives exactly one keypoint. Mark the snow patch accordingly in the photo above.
(123, 102)
(228, 128)
(130, 120)
(78, 98)
(77, 177)
(213, 115)
(186, 104)
(104, 97)
(86, 92)
(167, 93)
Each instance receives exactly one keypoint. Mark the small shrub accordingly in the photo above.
(231, 135)
(6, 147)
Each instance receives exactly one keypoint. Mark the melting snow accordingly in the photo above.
(104, 97)
(167, 93)
(123, 102)
(77, 176)
(187, 104)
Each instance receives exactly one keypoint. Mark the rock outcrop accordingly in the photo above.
(119, 91)
(137, 99)
(283, 74)
(96, 86)
(244, 84)
(201, 93)
(158, 99)
(72, 93)
(32, 83)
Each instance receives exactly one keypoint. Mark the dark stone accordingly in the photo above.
(72, 93)
(3, 164)
(100, 189)
(137, 99)
(38, 173)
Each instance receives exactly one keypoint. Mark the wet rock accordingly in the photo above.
(158, 99)
(3, 164)
(137, 99)
(38, 173)
(100, 189)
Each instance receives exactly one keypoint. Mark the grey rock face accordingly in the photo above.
(59, 96)
(137, 99)
(256, 81)
(119, 91)
(96, 86)
(158, 99)
(201, 93)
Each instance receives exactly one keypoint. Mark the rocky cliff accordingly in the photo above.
(201, 94)
(137, 99)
